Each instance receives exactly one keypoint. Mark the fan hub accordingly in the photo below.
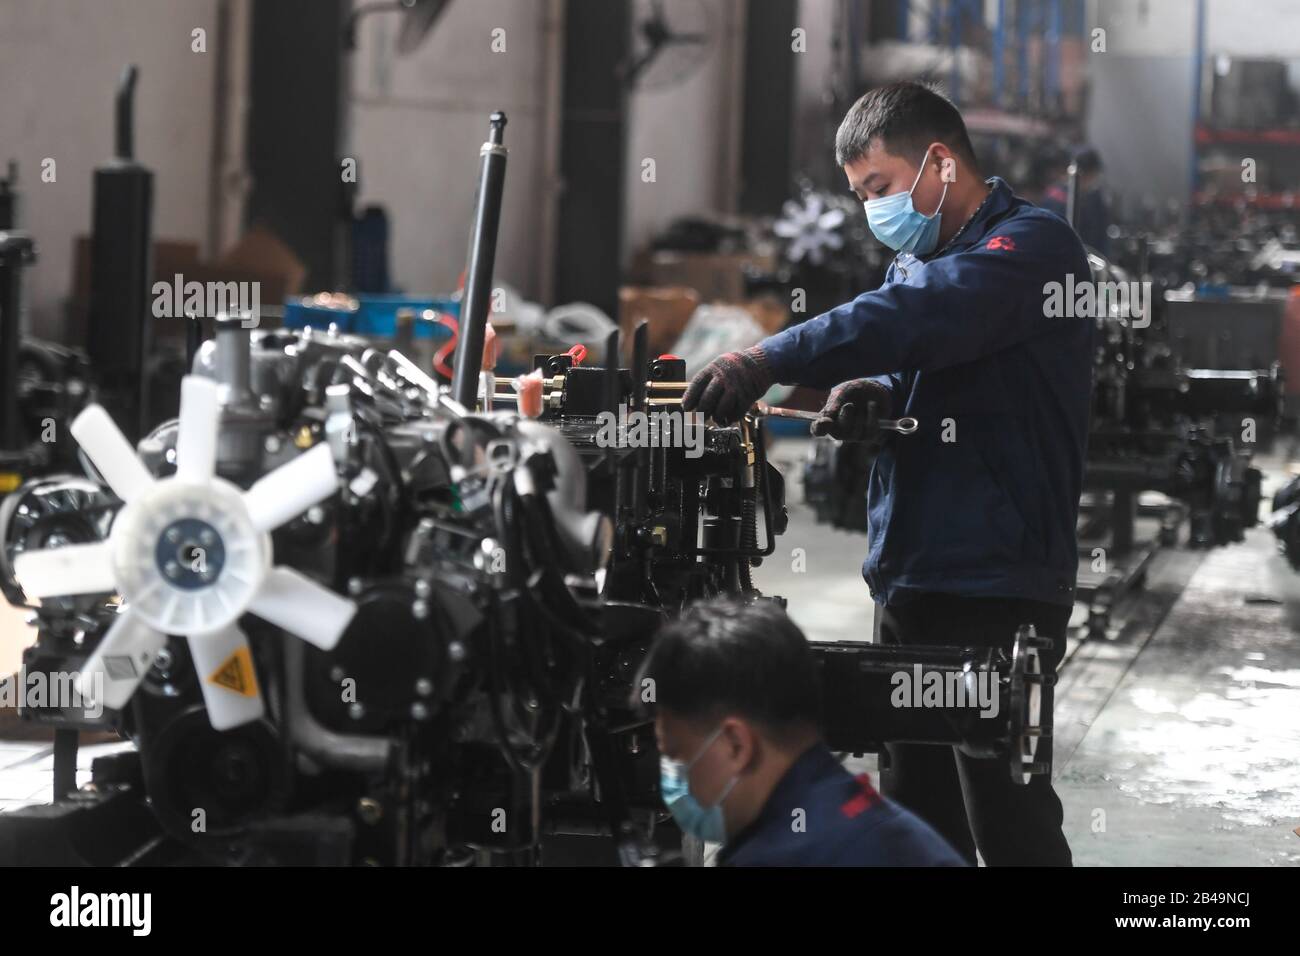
(186, 556)
(190, 553)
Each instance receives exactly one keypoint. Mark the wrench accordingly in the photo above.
(904, 426)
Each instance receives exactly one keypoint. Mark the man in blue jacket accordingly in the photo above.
(737, 703)
(972, 518)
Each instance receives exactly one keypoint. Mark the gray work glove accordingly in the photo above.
(844, 415)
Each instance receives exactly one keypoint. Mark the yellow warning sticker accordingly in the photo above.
(9, 481)
(237, 674)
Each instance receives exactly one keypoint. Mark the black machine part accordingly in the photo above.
(16, 251)
(121, 266)
(482, 257)
(991, 705)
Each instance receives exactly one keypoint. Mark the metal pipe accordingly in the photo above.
(344, 751)
(1052, 61)
(1198, 61)
(125, 136)
(482, 257)
(1072, 193)
(999, 54)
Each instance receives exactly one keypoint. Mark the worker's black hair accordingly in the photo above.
(1088, 160)
(725, 657)
(906, 117)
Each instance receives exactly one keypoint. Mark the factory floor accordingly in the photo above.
(1177, 736)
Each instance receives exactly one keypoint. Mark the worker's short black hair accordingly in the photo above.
(1087, 159)
(726, 657)
(906, 117)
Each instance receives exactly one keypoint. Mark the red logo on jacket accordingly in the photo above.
(1004, 243)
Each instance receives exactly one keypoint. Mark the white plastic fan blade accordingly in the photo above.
(223, 662)
(292, 488)
(124, 655)
(72, 569)
(112, 454)
(302, 607)
(196, 438)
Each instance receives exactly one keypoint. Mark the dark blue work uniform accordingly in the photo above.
(983, 499)
(821, 815)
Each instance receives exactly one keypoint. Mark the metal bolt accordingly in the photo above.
(422, 588)
(272, 444)
(171, 569)
(369, 810)
(419, 711)
(207, 537)
(315, 514)
(456, 651)
(356, 711)
(424, 687)
(336, 674)
(355, 586)
(420, 610)
(163, 659)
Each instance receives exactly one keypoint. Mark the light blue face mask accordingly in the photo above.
(895, 221)
(705, 823)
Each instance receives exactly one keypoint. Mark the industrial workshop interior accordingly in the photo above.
(652, 433)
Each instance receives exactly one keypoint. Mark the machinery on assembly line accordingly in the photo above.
(348, 614)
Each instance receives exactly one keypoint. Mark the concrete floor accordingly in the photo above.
(1177, 736)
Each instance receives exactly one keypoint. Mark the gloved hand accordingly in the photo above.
(728, 385)
(844, 415)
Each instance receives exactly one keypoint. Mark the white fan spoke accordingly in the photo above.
(302, 607)
(106, 446)
(196, 438)
(124, 655)
(292, 488)
(72, 569)
(223, 662)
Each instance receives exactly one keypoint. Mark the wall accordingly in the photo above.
(691, 131)
(417, 123)
(60, 61)
(1139, 114)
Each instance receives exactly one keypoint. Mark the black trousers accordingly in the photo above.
(974, 803)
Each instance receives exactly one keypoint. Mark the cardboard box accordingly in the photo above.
(715, 276)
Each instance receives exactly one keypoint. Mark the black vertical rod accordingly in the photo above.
(482, 257)
(15, 252)
(124, 142)
(119, 337)
(1072, 193)
(640, 377)
(65, 762)
(9, 199)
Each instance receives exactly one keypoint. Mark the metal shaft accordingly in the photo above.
(482, 258)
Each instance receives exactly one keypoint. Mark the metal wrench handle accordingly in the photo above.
(904, 426)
